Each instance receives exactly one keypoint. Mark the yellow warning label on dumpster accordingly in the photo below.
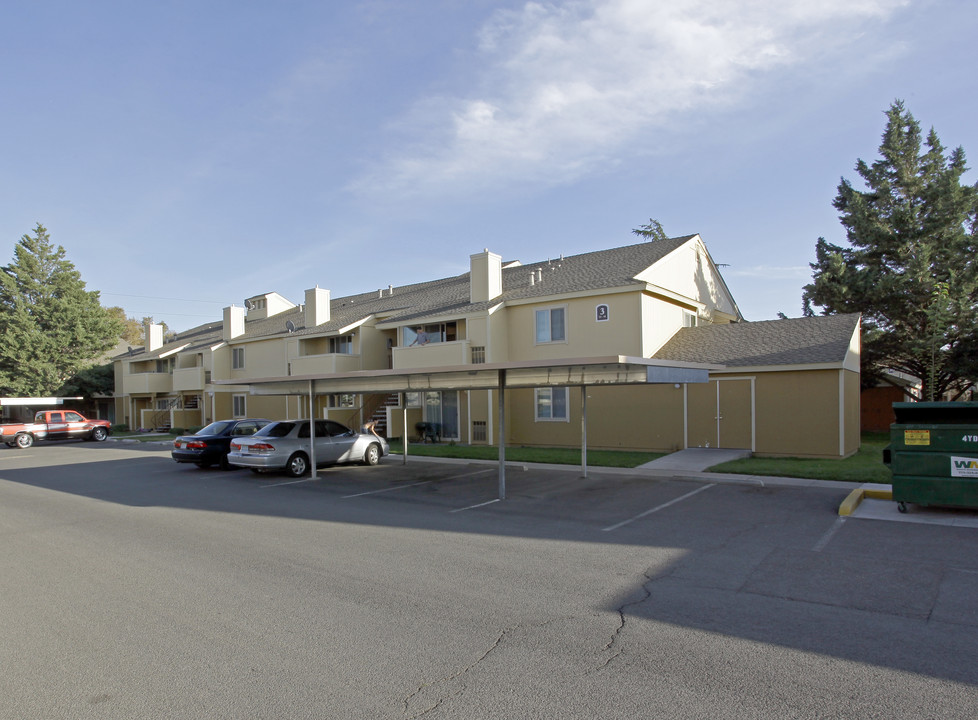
(916, 437)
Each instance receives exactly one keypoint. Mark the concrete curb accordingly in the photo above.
(691, 475)
(870, 490)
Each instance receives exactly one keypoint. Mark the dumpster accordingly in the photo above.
(933, 454)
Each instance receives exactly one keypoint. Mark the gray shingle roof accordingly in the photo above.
(450, 296)
(797, 341)
(198, 338)
(596, 270)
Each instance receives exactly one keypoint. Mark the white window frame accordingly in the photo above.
(243, 400)
(537, 314)
(237, 358)
(550, 391)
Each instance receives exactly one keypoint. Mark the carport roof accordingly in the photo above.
(610, 370)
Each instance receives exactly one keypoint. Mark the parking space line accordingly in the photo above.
(288, 482)
(390, 489)
(820, 545)
(476, 472)
(473, 507)
(623, 523)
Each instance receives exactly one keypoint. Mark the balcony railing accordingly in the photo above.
(328, 363)
(150, 382)
(188, 379)
(432, 355)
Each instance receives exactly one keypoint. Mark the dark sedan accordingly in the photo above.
(209, 445)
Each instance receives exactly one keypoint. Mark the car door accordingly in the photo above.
(326, 450)
(75, 425)
(342, 440)
(57, 427)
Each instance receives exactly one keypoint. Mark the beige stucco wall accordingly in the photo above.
(586, 337)
(629, 417)
(853, 411)
(687, 272)
(798, 413)
(263, 358)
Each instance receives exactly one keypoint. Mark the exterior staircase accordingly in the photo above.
(379, 413)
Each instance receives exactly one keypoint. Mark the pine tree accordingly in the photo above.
(910, 267)
(51, 327)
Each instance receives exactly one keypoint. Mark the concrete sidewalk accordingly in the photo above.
(694, 459)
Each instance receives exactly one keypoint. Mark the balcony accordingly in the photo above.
(189, 379)
(328, 363)
(432, 355)
(148, 382)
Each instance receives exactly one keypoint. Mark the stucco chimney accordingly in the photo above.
(153, 334)
(234, 322)
(485, 276)
(317, 306)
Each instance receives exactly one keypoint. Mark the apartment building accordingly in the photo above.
(783, 387)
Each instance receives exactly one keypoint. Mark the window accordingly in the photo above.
(73, 417)
(342, 401)
(413, 399)
(239, 407)
(689, 319)
(431, 333)
(342, 345)
(550, 325)
(237, 358)
(551, 404)
(479, 431)
(478, 354)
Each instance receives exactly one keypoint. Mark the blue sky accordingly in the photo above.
(188, 155)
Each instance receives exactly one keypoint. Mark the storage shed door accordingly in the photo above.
(719, 414)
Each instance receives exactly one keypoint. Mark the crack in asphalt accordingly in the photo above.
(454, 676)
(611, 646)
(464, 671)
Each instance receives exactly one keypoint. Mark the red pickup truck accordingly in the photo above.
(54, 425)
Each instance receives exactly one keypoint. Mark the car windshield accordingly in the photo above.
(215, 428)
(276, 429)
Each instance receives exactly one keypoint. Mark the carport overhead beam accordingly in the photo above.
(616, 370)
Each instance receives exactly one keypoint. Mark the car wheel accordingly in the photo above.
(24, 440)
(372, 455)
(297, 465)
(99, 434)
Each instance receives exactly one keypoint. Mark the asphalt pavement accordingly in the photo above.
(131, 587)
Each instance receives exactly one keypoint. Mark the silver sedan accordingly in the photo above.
(285, 445)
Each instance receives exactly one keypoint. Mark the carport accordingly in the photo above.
(577, 372)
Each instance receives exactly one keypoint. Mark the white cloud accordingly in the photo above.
(565, 88)
(769, 272)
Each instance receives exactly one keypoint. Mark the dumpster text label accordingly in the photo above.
(916, 437)
(964, 467)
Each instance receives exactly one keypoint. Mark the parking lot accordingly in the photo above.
(133, 587)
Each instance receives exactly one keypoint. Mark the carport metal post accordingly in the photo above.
(584, 430)
(405, 438)
(502, 435)
(312, 433)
